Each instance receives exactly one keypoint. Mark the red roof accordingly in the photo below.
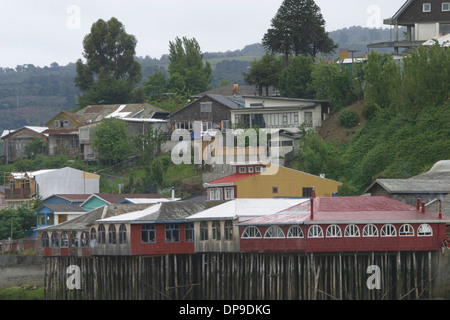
(360, 209)
(232, 178)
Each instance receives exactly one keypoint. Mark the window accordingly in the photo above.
(370, 230)
(93, 234)
(56, 124)
(388, 230)
(55, 240)
(250, 169)
(216, 230)
(426, 7)
(444, 28)
(274, 189)
(334, 231)
(206, 106)
(101, 234)
(295, 232)
(229, 193)
(45, 240)
(189, 232)
(203, 230)
(251, 233)
(258, 169)
(172, 232)
(84, 239)
(112, 238)
(406, 230)
(228, 230)
(274, 232)
(242, 170)
(64, 240)
(215, 194)
(74, 239)
(424, 230)
(351, 230)
(307, 192)
(315, 232)
(122, 234)
(148, 233)
(66, 123)
(445, 6)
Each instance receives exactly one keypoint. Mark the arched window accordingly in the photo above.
(74, 239)
(274, 232)
(315, 231)
(45, 240)
(189, 232)
(148, 233)
(203, 230)
(388, 230)
(101, 234)
(84, 241)
(370, 230)
(112, 237)
(406, 230)
(251, 233)
(55, 240)
(64, 240)
(122, 234)
(228, 230)
(334, 231)
(351, 230)
(216, 230)
(295, 232)
(424, 230)
(93, 234)
(172, 232)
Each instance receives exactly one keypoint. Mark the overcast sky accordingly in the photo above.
(44, 31)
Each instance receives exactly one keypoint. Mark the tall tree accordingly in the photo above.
(109, 52)
(295, 80)
(298, 28)
(186, 69)
(264, 72)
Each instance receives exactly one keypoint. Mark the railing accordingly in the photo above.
(23, 193)
(21, 246)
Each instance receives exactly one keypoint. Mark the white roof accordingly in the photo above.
(443, 40)
(241, 208)
(148, 200)
(32, 128)
(132, 215)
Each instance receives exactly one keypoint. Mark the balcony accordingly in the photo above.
(23, 193)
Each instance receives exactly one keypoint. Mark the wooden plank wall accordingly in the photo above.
(245, 276)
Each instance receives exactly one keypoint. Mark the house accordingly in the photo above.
(216, 230)
(429, 186)
(25, 186)
(424, 20)
(212, 110)
(280, 113)
(345, 224)
(76, 199)
(51, 214)
(97, 200)
(254, 181)
(124, 229)
(2, 198)
(15, 141)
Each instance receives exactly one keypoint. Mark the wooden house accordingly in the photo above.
(346, 224)
(97, 200)
(15, 141)
(256, 181)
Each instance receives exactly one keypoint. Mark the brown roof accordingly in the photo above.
(118, 197)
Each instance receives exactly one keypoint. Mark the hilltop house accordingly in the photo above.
(25, 186)
(15, 141)
(253, 181)
(424, 20)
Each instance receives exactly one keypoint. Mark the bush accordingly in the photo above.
(348, 118)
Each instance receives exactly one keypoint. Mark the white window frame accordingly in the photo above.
(426, 7)
(295, 232)
(351, 231)
(250, 169)
(274, 232)
(251, 232)
(258, 169)
(424, 233)
(447, 4)
(406, 230)
(370, 230)
(388, 230)
(242, 170)
(229, 193)
(334, 231)
(315, 231)
(215, 194)
(205, 106)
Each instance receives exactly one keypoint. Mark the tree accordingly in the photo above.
(148, 144)
(264, 72)
(298, 28)
(34, 147)
(111, 140)
(295, 80)
(109, 52)
(186, 69)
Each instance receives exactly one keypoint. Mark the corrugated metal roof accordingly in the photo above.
(230, 179)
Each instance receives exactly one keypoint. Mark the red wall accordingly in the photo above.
(345, 244)
(160, 246)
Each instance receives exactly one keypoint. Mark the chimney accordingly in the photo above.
(312, 209)
(423, 206)
(313, 194)
(440, 209)
(173, 193)
(418, 204)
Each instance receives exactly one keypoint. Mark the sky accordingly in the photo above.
(41, 32)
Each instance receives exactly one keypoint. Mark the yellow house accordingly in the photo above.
(269, 181)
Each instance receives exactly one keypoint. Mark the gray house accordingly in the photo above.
(430, 187)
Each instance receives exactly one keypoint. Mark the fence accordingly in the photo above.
(19, 246)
